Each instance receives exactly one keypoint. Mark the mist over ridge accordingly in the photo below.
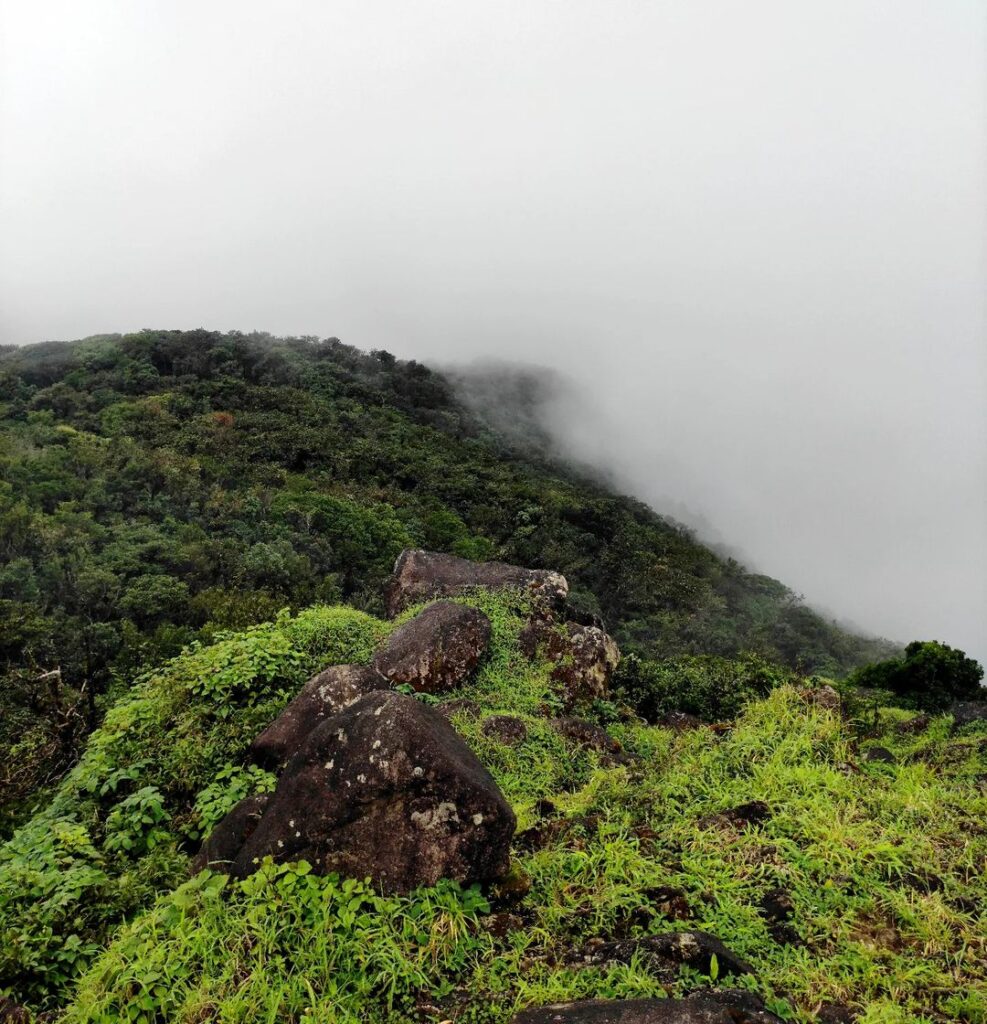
(752, 236)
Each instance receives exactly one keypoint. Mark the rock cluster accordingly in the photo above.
(374, 783)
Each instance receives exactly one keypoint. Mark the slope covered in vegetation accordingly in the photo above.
(837, 878)
(157, 488)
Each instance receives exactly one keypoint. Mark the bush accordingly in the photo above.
(930, 676)
(704, 685)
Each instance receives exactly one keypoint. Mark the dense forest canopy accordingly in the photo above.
(159, 487)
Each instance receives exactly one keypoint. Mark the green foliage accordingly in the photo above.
(709, 687)
(132, 825)
(348, 946)
(163, 767)
(882, 861)
(233, 783)
(929, 675)
(161, 487)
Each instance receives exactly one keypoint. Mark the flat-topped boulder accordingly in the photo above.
(424, 575)
(706, 1007)
(385, 789)
(435, 651)
(323, 696)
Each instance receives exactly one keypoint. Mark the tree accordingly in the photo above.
(930, 676)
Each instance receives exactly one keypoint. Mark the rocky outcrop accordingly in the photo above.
(385, 789)
(436, 650)
(584, 657)
(706, 1007)
(424, 575)
(323, 696)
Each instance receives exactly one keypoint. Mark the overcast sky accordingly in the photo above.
(754, 232)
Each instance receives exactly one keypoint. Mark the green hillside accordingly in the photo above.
(159, 487)
(880, 863)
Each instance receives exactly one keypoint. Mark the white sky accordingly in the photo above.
(754, 231)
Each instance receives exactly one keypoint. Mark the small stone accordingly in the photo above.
(505, 729)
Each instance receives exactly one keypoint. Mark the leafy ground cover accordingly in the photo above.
(883, 862)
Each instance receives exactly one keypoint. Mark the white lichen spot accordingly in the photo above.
(341, 735)
(436, 816)
(361, 778)
(291, 824)
(477, 819)
(377, 711)
(281, 844)
(376, 744)
(418, 772)
(330, 765)
(298, 835)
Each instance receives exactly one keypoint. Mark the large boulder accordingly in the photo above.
(436, 650)
(323, 696)
(584, 657)
(386, 789)
(424, 575)
(704, 1007)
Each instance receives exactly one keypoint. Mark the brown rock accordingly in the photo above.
(227, 838)
(755, 812)
(436, 650)
(704, 1007)
(386, 789)
(823, 697)
(664, 954)
(585, 657)
(679, 721)
(11, 1013)
(591, 735)
(424, 575)
(320, 698)
(506, 729)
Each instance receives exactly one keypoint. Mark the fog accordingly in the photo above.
(750, 234)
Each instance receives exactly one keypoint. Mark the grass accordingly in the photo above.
(885, 864)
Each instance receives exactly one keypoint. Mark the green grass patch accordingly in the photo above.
(884, 863)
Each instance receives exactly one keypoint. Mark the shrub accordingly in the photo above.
(929, 676)
(704, 685)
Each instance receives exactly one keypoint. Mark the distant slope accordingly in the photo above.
(159, 486)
